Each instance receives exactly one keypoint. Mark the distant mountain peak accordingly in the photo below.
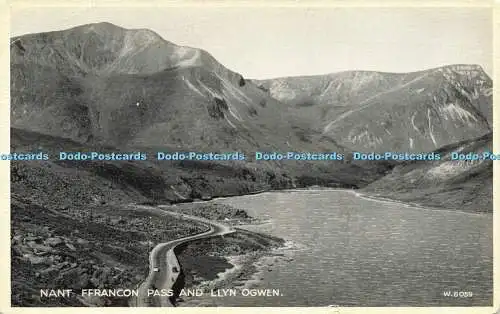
(137, 35)
(379, 110)
(100, 26)
(465, 69)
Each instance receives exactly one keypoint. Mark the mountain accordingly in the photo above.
(102, 83)
(451, 184)
(375, 111)
(129, 87)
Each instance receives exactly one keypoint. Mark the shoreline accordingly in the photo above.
(377, 198)
(247, 272)
(214, 198)
(355, 191)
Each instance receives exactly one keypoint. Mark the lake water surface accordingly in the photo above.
(352, 251)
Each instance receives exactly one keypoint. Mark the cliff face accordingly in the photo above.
(373, 111)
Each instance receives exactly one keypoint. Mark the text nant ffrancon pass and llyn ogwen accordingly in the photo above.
(67, 293)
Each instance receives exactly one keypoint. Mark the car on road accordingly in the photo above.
(156, 269)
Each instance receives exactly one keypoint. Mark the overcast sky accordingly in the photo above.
(273, 42)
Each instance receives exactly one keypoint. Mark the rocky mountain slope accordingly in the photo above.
(73, 225)
(103, 83)
(375, 111)
(451, 184)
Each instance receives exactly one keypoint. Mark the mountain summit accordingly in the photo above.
(104, 48)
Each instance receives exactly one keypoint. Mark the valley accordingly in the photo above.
(103, 88)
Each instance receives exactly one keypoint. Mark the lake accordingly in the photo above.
(352, 251)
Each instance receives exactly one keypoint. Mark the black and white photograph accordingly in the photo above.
(251, 156)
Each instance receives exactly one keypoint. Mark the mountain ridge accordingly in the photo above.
(362, 102)
(475, 66)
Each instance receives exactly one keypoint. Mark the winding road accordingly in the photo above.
(163, 258)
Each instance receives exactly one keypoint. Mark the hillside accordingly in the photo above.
(73, 224)
(448, 184)
(102, 83)
(376, 111)
(123, 181)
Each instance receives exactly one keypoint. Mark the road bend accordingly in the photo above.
(162, 260)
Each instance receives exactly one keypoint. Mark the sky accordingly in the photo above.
(261, 42)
